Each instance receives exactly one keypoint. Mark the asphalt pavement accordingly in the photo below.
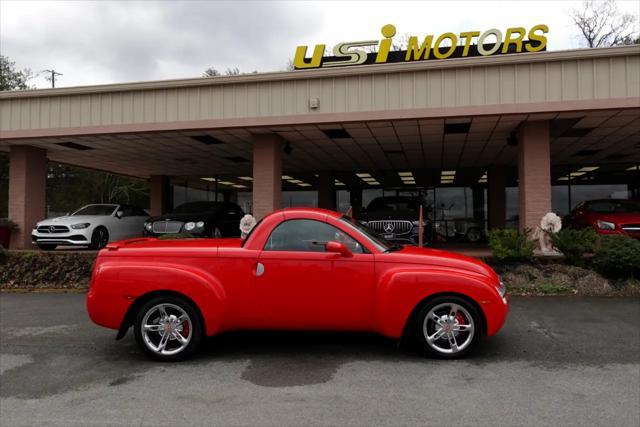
(558, 361)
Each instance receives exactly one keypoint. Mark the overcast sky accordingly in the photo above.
(97, 42)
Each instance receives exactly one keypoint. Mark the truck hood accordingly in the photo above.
(427, 256)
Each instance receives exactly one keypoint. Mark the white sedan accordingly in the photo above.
(91, 225)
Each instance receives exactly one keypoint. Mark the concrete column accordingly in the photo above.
(159, 197)
(496, 197)
(27, 191)
(326, 191)
(267, 174)
(534, 173)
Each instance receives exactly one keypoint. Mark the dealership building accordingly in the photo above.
(503, 139)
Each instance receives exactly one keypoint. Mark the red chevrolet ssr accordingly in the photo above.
(302, 269)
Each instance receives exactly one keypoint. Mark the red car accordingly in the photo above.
(302, 269)
(607, 216)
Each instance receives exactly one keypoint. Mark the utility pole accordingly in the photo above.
(52, 79)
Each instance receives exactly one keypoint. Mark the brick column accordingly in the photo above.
(267, 174)
(27, 192)
(534, 173)
(159, 188)
(496, 197)
(326, 191)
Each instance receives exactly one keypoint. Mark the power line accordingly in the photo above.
(52, 79)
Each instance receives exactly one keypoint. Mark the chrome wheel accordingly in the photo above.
(166, 329)
(448, 328)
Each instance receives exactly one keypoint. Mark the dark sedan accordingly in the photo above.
(201, 219)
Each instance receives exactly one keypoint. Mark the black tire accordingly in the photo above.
(466, 340)
(99, 238)
(45, 247)
(474, 235)
(196, 325)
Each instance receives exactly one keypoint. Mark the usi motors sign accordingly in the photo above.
(447, 45)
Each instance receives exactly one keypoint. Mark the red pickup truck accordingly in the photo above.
(299, 269)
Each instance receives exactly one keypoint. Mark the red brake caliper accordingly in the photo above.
(461, 319)
(185, 329)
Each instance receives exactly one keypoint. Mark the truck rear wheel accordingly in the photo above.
(168, 328)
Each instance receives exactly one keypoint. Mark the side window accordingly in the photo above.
(305, 235)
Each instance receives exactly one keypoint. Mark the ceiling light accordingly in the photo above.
(245, 178)
(295, 181)
(304, 184)
(239, 186)
(287, 177)
(563, 178)
(209, 179)
(588, 168)
(363, 175)
(633, 168)
(370, 179)
(405, 174)
(445, 173)
(225, 182)
(577, 173)
(482, 180)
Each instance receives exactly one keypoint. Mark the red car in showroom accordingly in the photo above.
(298, 269)
(607, 216)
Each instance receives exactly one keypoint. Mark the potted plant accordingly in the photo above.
(6, 227)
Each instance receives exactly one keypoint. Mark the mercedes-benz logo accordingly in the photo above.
(52, 229)
(388, 228)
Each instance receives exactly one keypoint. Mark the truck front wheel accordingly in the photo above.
(168, 328)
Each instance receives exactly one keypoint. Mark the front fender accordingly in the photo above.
(401, 290)
(116, 287)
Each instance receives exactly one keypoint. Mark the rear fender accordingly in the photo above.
(136, 281)
(400, 291)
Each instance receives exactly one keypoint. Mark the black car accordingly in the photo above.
(396, 218)
(202, 219)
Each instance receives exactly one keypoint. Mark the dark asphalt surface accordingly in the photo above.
(558, 361)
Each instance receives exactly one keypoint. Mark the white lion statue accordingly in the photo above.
(246, 225)
(550, 223)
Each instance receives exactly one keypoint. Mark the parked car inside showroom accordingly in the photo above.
(396, 219)
(298, 269)
(607, 216)
(200, 219)
(92, 225)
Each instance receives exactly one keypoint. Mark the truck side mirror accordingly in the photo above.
(119, 214)
(339, 248)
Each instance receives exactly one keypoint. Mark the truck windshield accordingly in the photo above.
(377, 240)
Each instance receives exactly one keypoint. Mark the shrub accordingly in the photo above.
(176, 236)
(574, 244)
(617, 257)
(3, 255)
(510, 245)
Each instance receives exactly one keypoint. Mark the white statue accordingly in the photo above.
(246, 225)
(550, 223)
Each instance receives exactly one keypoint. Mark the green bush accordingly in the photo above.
(617, 257)
(176, 236)
(510, 245)
(574, 244)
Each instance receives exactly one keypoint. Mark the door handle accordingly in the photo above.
(259, 269)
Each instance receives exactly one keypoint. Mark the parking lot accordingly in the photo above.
(567, 361)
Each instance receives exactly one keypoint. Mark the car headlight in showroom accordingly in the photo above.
(417, 223)
(148, 226)
(80, 226)
(190, 226)
(605, 225)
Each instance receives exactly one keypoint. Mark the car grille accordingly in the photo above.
(390, 226)
(44, 229)
(631, 228)
(162, 227)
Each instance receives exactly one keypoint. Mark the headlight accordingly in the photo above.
(365, 223)
(605, 225)
(417, 223)
(190, 226)
(80, 226)
(200, 224)
(148, 226)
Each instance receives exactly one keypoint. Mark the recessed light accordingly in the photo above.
(225, 182)
(588, 168)
(245, 178)
(405, 174)
(239, 186)
(209, 179)
(287, 177)
(363, 175)
(446, 173)
(304, 184)
(295, 181)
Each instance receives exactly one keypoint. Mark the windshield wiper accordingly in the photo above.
(394, 247)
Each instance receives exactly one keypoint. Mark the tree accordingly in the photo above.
(602, 24)
(10, 78)
(235, 71)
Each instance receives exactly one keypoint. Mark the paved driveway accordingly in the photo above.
(559, 361)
